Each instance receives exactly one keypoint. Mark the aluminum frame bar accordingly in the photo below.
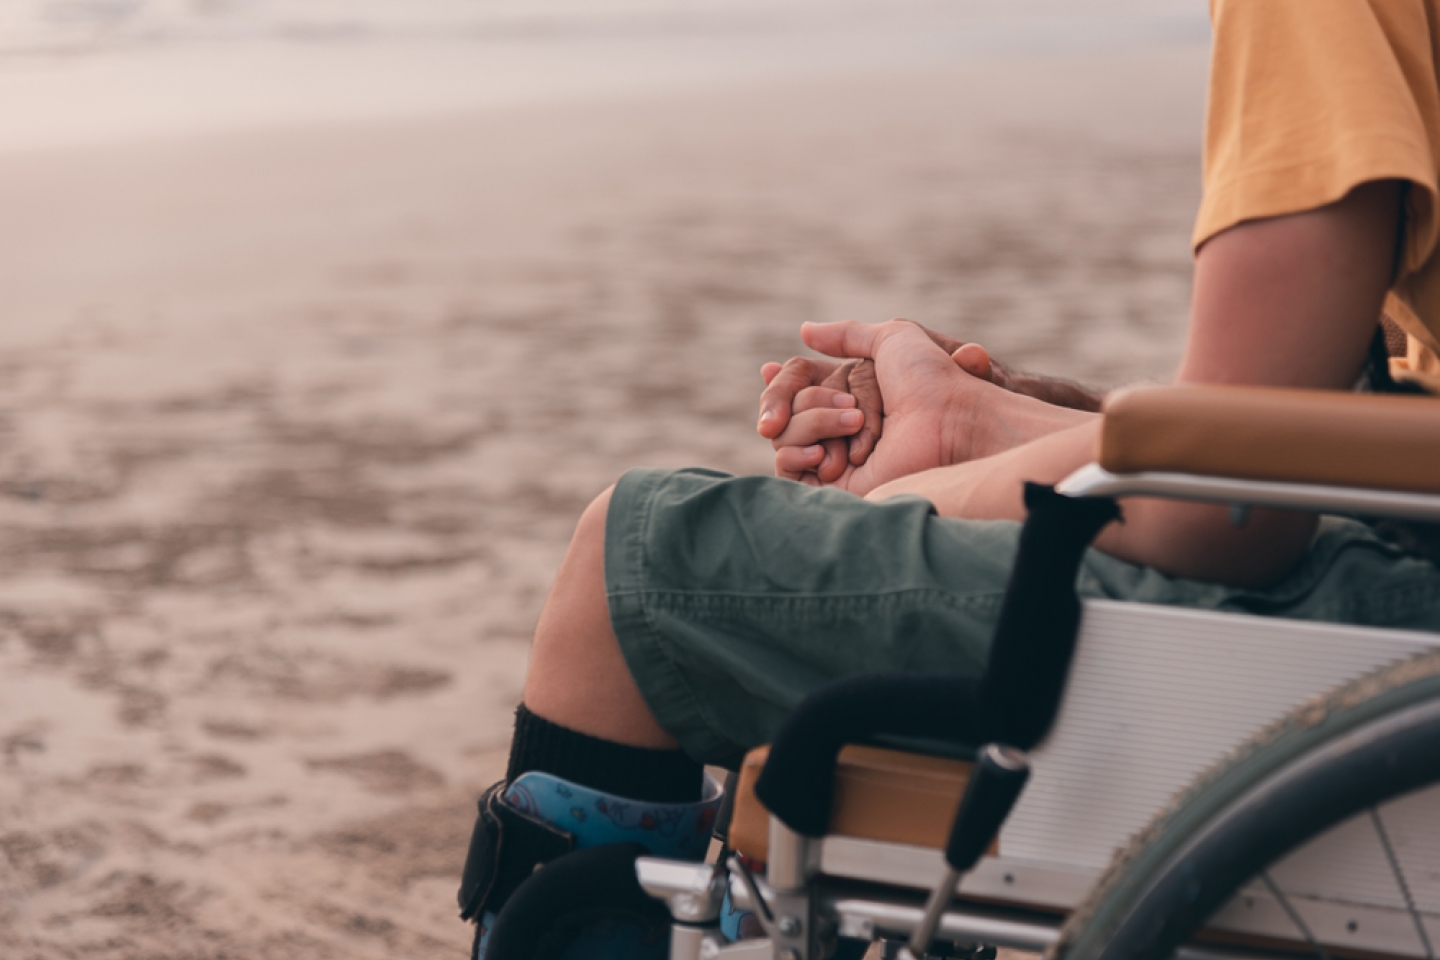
(1094, 480)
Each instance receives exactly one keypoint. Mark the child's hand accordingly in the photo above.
(804, 384)
(813, 446)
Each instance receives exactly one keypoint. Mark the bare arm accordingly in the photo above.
(1289, 301)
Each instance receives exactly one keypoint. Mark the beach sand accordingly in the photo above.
(295, 424)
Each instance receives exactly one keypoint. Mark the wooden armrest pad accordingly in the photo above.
(885, 795)
(1259, 433)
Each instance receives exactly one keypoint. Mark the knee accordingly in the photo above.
(587, 545)
(590, 531)
(574, 629)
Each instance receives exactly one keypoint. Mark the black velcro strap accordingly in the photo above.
(505, 848)
(1034, 642)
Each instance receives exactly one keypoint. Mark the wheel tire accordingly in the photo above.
(1366, 742)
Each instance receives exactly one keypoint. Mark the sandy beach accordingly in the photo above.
(295, 421)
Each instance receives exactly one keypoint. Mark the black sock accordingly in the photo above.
(636, 773)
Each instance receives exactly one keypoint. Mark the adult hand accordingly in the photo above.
(976, 361)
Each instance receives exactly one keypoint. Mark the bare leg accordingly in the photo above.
(578, 677)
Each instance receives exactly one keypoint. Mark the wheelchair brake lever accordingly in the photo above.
(999, 775)
(762, 909)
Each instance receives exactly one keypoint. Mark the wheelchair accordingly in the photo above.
(1125, 781)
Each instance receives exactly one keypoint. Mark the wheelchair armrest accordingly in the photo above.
(1013, 702)
(1330, 437)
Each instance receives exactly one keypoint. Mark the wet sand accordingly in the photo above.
(295, 424)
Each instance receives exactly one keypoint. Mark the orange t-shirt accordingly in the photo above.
(1309, 99)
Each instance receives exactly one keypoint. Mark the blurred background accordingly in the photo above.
(321, 320)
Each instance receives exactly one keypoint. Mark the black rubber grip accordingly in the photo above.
(995, 784)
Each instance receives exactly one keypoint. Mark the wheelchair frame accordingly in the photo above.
(814, 890)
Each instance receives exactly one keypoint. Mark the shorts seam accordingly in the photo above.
(1395, 603)
(673, 599)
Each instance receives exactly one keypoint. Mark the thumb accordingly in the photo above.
(974, 360)
(843, 339)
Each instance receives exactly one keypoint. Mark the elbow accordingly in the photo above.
(1198, 542)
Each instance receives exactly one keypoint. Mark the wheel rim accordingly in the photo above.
(1385, 751)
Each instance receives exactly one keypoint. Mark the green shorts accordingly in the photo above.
(735, 597)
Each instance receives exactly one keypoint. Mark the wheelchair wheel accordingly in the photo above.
(1337, 763)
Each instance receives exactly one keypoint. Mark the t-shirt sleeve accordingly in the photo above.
(1310, 98)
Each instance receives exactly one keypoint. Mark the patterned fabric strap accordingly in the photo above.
(680, 831)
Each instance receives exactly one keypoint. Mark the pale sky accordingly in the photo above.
(84, 72)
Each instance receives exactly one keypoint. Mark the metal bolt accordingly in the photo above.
(789, 926)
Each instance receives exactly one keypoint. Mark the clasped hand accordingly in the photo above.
(899, 399)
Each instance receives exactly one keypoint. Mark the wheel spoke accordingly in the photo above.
(1400, 882)
(1293, 914)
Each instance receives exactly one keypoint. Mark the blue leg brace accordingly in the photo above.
(678, 831)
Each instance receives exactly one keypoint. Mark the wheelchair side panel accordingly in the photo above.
(1158, 694)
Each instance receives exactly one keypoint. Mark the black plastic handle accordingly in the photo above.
(995, 784)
